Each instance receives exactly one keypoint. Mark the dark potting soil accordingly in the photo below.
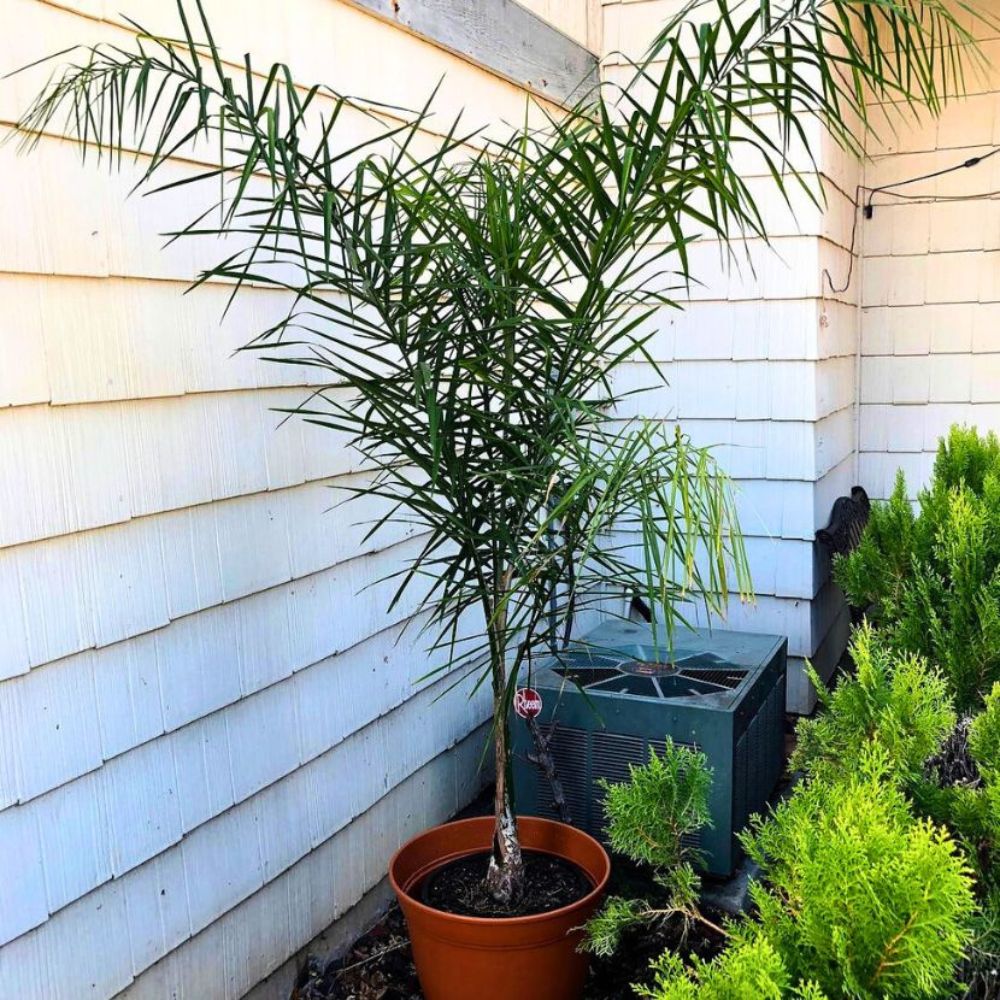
(460, 887)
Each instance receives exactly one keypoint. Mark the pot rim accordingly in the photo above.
(533, 918)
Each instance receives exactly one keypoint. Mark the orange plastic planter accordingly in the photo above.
(516, 958)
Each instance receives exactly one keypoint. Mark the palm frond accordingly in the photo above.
(471, 298)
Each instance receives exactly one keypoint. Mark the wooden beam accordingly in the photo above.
(501, 36)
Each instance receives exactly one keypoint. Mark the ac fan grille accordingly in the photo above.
(757, 760)
(691, 676)
(731, 679)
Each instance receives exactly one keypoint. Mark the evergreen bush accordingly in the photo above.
(858, 899)
(895, 700)
(749, 969)
(950, 770)
(652, 819)
(984, 737)
(979, 971)
(967, 797)
(962, 789)
(931, 579)
(898, 703)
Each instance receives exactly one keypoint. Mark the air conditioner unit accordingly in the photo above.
(610, 697)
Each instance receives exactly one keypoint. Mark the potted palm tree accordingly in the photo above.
(473, 303)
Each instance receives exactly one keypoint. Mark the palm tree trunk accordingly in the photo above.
(505, 876)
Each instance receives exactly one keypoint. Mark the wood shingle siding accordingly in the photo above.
(212, 733)
(930, 327)
(761, 363)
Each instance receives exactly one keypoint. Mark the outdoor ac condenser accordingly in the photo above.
(611, 696)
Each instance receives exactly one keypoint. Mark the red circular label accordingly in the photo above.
(527, 703)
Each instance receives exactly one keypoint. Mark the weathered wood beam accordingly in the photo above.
(501, 36)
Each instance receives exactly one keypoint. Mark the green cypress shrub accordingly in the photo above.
(962, 789)
(749, 969)
(874, 574)
(859, 896)
(965, 457)
(966, 795)
(931, 580)
(950, 771)
(858, 900)
(651, 818)
(984, 737)
(893, 700)
(979, 972)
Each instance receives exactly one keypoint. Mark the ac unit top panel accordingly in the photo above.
(713, 667)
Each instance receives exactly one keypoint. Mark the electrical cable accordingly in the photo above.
(869, 206)
(854, 236)
(931, 199)
(973, 161)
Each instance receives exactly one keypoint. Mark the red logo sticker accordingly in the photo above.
(527, 703)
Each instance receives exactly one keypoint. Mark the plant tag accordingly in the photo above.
(527, 703)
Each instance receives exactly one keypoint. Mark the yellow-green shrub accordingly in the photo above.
(859, 896)
(893, 700)
(932, 579)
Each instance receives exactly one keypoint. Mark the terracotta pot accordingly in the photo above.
(485, 958)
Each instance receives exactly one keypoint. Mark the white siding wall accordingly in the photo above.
(766, 363)
(191, 788)
(580, 19)
(931, 287)
(210, 740)
(761, 363)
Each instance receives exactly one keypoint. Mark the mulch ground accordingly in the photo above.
(380, 966)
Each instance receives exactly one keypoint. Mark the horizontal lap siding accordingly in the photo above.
(760, 363)
(120, 581)
(212, 732)
(931, 276)
(229, 881)
(91, 706)
(581, 21)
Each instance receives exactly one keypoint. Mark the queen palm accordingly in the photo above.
(473, 300)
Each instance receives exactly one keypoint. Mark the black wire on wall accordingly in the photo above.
(888, 189)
